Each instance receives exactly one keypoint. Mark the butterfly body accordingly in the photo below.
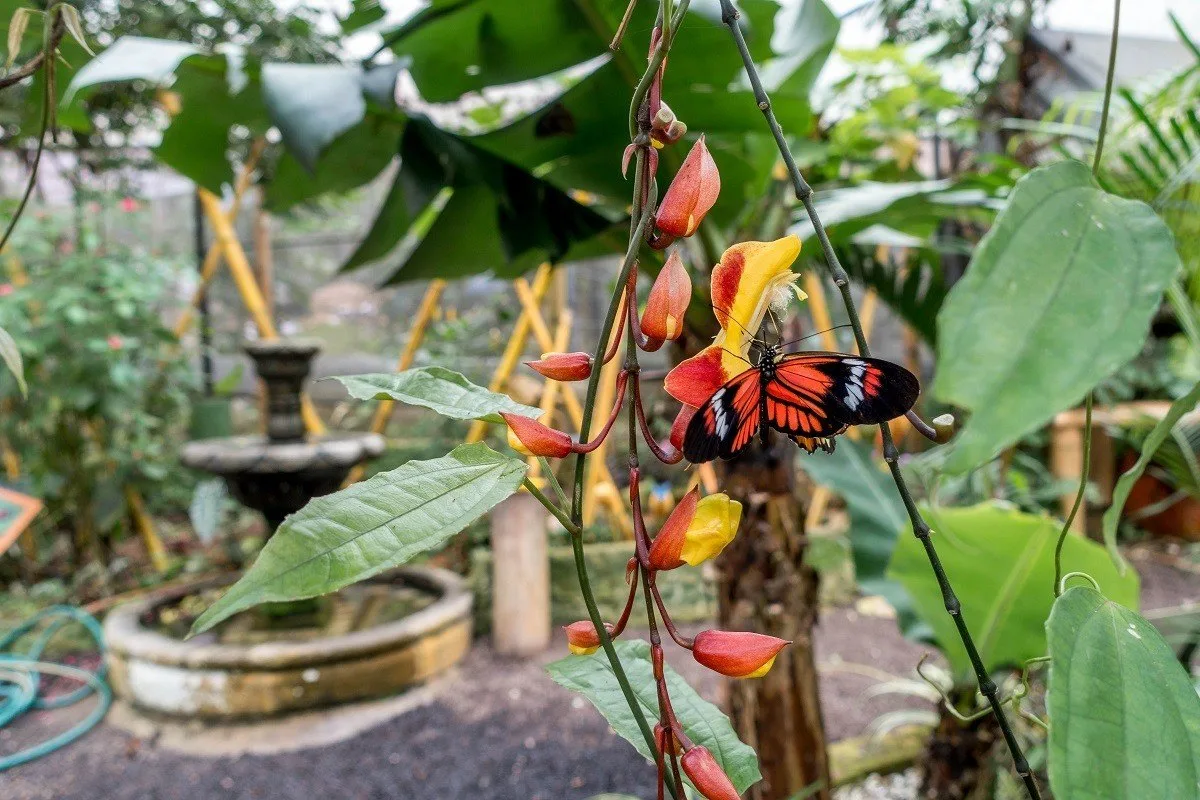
(810, 397)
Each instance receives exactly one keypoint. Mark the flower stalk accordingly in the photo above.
(921, 529)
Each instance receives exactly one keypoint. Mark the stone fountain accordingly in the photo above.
(364, 642)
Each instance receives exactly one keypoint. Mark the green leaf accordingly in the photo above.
(1125, 718)
(1001, 563)
(207, 507)
(1018, 339)
(313, 104)
(363, 13)
(10, 354)
(443, 390)
(351, 160)
(877, 519)
(592, 676)
(371, 526)
(1124, 485)
(132, 58)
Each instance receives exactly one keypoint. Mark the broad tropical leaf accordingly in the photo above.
(445, 391)
(371, 526)
(1124, 716)
(877, 520)
(592, 676)
(1001, 564)
(1062, 255)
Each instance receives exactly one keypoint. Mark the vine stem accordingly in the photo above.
(1086, 466)
(921, 529)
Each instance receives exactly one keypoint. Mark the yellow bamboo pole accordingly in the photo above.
(416, 335)
(212, 259)
(819, 309)
(512, 351)
(252, 298)
(145, 527)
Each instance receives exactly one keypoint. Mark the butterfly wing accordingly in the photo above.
(727, 421)
(817, 395)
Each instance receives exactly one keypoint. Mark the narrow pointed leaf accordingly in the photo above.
(445, 391)
(1158, 434)
(11, 356)
(16, 31)
(592, 676)
(371, 527)
(1124, 716)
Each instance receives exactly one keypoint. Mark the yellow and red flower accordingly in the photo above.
(696, 531)
(582, 639)
(737, 654)
(750, 278)
(692, 194)
(668, 301)
(531, 437)
(707, 776)
(563, 366)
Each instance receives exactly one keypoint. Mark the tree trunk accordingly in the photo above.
(766, 587)
(958, 759)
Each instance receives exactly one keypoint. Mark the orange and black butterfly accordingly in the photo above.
(812, 397)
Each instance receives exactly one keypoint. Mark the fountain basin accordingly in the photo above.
(331, 661)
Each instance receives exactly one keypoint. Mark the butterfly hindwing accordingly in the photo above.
(727, 422)
(819, 394)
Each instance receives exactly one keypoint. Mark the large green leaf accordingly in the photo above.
(10, 354)
(1124, 485)
(372, 526)
(445, 391)
(1060, 293)
(1001, 564)
(450, 186)
(313, 104)
(1124, 716)
(877, 519)
(592, 676)
(132, 58)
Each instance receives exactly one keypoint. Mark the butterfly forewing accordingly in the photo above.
(836, 390)
(727, 421)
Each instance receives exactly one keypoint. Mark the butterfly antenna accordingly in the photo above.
(731, 317)
(810, 335)
(738, 355)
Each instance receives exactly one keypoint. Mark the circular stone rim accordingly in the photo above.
(127, 638)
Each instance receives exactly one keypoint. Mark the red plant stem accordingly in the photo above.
(620, 626)
(675, 770)
(622, 379)
(662, 454)
(679, 639)
(643, 341)
(620, 334)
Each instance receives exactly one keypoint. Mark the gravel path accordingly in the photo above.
(500, 731)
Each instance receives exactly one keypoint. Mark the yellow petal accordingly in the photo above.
(712, 528)
(763, 670)
(583, 651)
(743, 284)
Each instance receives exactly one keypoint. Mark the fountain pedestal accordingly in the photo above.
(367, 641)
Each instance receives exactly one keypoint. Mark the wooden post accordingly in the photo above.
(520, 577)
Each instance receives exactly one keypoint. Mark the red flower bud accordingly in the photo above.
(737, 654)
(582, 639)
(691, 195)
(669, 298)
(537, 438)
(707, 776)
(667, 548)
(563, 366)
(680, 425)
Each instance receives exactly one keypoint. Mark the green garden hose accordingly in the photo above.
(21, 677)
